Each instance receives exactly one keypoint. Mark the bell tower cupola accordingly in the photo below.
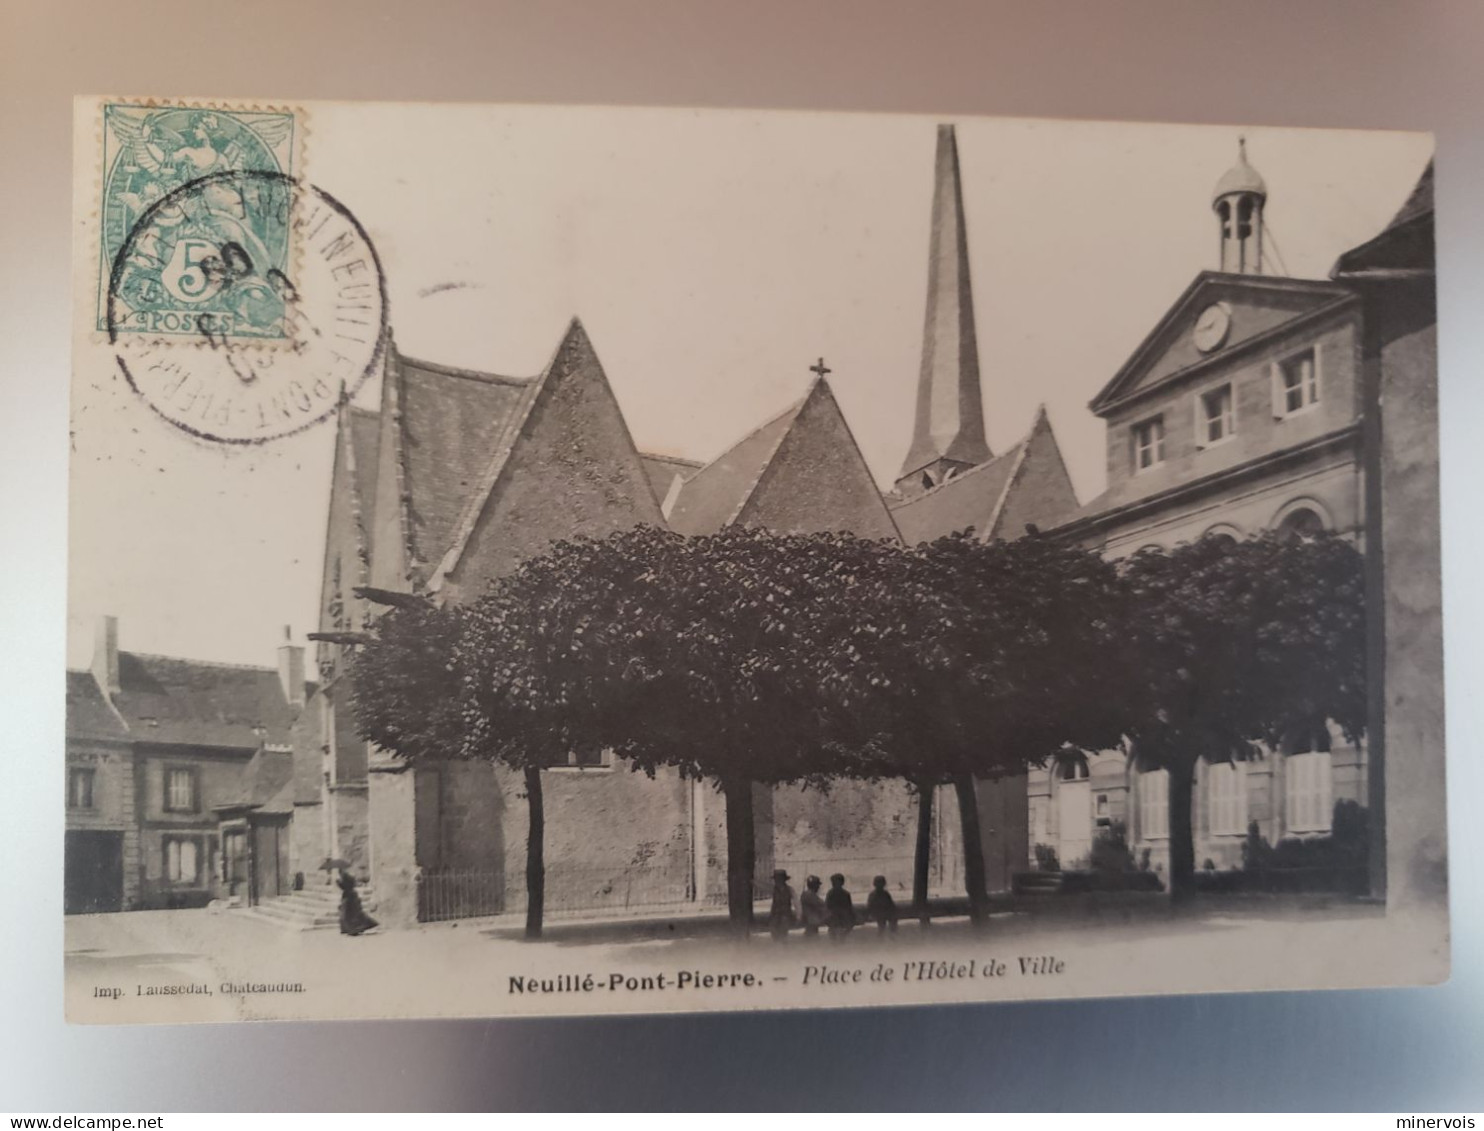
(1238, 203)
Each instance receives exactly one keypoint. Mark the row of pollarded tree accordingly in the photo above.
(751, 657)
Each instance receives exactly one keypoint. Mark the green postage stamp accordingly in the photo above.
(161, 245)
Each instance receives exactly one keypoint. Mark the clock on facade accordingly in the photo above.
(1211, 327)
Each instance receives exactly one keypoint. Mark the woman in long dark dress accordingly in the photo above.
(353, 917)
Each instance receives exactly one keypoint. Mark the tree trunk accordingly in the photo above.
(968, 816)
(741, 853)
(922, 858)
(535, 854)
(1182, 832)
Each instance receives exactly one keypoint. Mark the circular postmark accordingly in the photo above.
(246, 306)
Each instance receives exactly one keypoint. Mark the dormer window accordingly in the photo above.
(1296, 383)
(1149, 443)
(1215, 418)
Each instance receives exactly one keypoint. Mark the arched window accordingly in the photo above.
(1224, 210)
(1223, 534)
(1300, 524)
(1303, 517)
(1071, 767)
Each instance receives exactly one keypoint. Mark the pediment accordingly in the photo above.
(1252, 308)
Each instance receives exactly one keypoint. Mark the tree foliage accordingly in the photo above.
(1000, 654)
(753, 658)
(1239, 643)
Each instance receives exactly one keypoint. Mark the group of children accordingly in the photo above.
(835, 910)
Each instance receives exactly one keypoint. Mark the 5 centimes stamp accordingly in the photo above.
(211, 377)
(149, 150)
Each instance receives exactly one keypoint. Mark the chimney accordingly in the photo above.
(291, 669)
(106, 656)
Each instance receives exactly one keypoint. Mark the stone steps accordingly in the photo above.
(307, 910)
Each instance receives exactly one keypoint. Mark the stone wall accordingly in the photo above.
(307, 847)
(350, 805)
(113, 808)
(1415, 795)
(392, 843)
(862, 829)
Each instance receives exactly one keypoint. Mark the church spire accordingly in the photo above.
(949, 433)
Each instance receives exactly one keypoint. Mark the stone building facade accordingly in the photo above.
(1252, 405)
(1255, 405)
(177, 779)
(1244, 409)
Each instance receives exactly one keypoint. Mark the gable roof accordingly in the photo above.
(970, 499)
(1028, 484)
(800, 472)
(166, 700)
(563, 463)
(817, 479)
(662, 471)
(88, 713)
(711, 498)
(1261, 305)
(447, 422)
(267, 784)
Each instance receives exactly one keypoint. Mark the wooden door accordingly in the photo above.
(235, 861)
(270, 859)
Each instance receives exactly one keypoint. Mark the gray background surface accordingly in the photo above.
(1315, 63)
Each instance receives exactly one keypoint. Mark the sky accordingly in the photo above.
(713, 257)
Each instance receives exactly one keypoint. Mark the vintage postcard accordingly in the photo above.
(541, 560)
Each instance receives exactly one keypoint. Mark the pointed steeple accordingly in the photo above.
(948, 436)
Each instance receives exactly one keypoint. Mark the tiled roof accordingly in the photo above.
(967, 500)
(1419, 203)
(712, 496)
(88, 713)
(1405, 244)
(267, 783)
(451, 420)
(662, 471)
(1026, 486)
(192, 702)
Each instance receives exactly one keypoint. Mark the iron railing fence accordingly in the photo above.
(577, 889)
(443, 895)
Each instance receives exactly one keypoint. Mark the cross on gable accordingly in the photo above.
(819, 368)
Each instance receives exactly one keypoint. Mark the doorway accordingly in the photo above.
(93, 873)
(270, 859)
(1074, 812)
